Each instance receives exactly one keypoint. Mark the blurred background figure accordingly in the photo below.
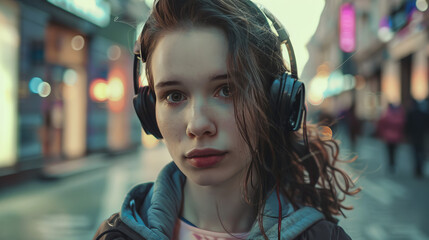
(417, 123)
(353, 124)
(390, 128)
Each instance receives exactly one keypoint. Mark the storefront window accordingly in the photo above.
(9, 45)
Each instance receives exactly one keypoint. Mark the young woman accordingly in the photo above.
(228, 112)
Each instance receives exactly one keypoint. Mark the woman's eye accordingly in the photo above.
(175, 97)
(225, 91)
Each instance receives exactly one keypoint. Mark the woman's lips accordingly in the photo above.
(204, 158)
(206, 161)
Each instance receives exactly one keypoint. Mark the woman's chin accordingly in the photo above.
(205, 179)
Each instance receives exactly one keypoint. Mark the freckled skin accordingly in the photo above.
(202, 118)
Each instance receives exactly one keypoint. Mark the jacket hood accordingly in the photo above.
(152, 209)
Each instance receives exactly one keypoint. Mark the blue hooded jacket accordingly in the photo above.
(152, 209)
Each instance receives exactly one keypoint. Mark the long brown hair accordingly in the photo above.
(279, 157)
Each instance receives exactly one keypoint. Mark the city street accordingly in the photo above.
(75, 73)
(73, 207)
(390, 206)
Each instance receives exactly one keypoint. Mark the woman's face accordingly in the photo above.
(194, 106)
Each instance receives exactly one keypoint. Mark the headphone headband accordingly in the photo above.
(136, 72)
(283, 37)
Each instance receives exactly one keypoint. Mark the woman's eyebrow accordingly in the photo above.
(219, 77)
(176, 83)
(168, 83)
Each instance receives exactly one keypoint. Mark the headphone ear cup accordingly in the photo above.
(144, 105)
(297, 105)
(287, 101)
(281, 90)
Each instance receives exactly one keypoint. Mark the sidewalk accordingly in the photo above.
(391, 205)
(87, 163)
(63, 169)
(76, 166)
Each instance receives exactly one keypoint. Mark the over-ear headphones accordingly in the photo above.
(287, 93)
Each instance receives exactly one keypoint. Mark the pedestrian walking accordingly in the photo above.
(417, 122)
(390, 129)
(353, 124)
(230, 113)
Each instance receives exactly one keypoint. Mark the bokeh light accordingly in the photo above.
(98, 90)
(70, 77)
(34, 84)
(114, 52)
(77, 42)
(421, 5)
(385, 34)
(323, 69)
(318, 85)
(115, 89)
(44, 89)
(316, 90)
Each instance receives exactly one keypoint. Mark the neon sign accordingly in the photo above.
(347, 27)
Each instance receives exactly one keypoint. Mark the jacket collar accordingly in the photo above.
(152, 209)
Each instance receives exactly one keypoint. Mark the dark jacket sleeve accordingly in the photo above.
(114, 229)
(324, 230)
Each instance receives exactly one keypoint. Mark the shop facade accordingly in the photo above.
(390, 55)
(53, 56)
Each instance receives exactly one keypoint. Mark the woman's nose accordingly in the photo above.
(200, 121)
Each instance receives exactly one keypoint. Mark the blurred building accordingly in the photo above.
(370, 53)
(66, 80)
